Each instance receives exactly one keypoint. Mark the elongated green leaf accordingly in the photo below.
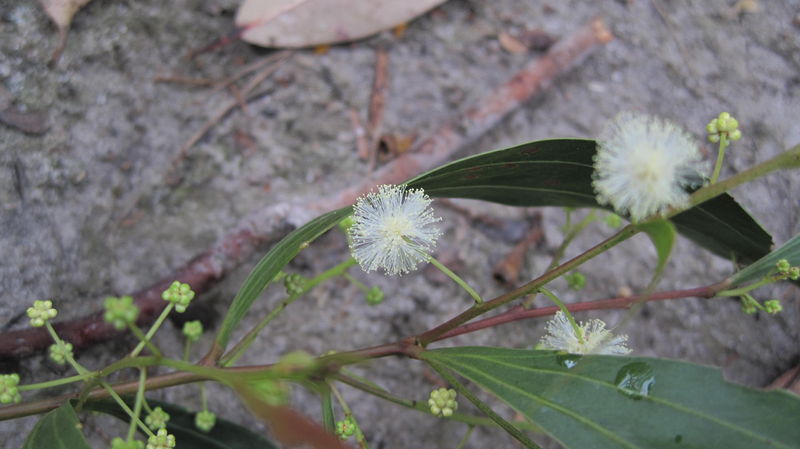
(662, 234)
(58, 429)
(789, 251)
(224, 435)
(271, 264)
(558, 172)
(612, 402)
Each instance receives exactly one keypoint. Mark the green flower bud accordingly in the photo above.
(119, 443)
(723, 124)
(613, 221)
(442, 402)
(8, 388)
(161, 440)
(345, 428)
(295, 284)
(120, 311)
(576, 280)
(157, 419)
(59, 353)
(40, 312)
(783, 266)
(794, 273)
(193, 330)
(180, 294)
(773, 306)
(374, 296)
(735, 135)
(205, 420)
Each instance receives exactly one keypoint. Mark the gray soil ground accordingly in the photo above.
(113, 132)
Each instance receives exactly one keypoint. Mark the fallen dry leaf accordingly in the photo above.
(61, 13)
(511, 44)
(305, 23)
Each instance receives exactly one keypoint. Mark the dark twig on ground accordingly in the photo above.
(273, 222)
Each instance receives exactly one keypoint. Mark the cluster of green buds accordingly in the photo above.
(119, 443)
(576, 280)
(374, 296)
(161, 440)
(205, 420)
(8, 388)
(345, 428)
(724, 124)
(750, 305)
(443, 402)
(59, 353)
(41, 312)
(787, 271)
(157, 419)
(193, 330)
(295, 284)
(120, 312)
(180, 294)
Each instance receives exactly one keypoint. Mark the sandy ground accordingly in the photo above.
(86, 211)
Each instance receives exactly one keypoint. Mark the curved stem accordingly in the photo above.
(145, 339)
(723, 144)
(456, 278)
(137, 407)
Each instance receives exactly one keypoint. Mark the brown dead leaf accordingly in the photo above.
(511, 44)
(61, 13)
(305, 23)
(31, 122)
(392, 145)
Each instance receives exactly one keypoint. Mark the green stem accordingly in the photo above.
(362, 442)
(723, 144)
(73, 363)
(479, 309)
(565, 311)
(127, 409)
(789, 159)
(56, 382)
(203, 396)
(145, 339)
(361, 286)
(328, 420)
(237, 351)
(422, 406)
(464, 440)
(742, 290)
(186, 349)
(457, 279)
(482, 406)
(137, 406)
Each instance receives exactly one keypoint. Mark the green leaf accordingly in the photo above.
(662, 234)
(270, 265)
(58, 429)
(789, 251)
(658, 404)
(558, 172)
(224, 435)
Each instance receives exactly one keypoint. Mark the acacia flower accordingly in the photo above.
(596, 338)
(643, 165)
(393, 229)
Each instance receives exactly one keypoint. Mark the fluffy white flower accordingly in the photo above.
(393, 229)
(596, 338)
(643, 165)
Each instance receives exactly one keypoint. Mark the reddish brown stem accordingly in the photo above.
(273, 222)
(520, 313)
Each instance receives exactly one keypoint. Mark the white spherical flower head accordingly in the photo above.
(393, 229)
(643, 165)
(596, 338)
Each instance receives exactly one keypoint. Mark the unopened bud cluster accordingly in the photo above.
(193, 330)
(120, 311)
(374, 296)
(8, 388)
(161, 440)
(345, 428)
(443, 402)
(205, 420)
(59, 353)
(157, 419)
(787, 271)
(40, 312)
(179, 294)
(724, 124)
(295, 284)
